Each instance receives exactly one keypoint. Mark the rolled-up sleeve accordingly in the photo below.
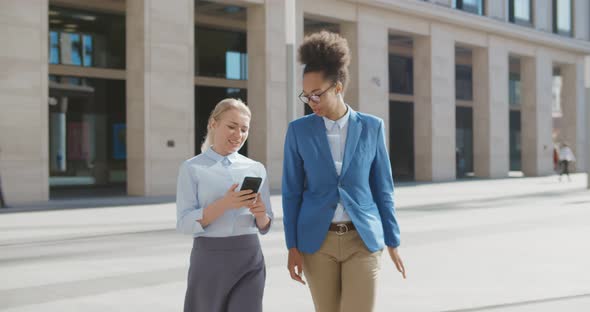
(188, 210)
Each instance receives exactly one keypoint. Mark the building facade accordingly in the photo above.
(109, 97)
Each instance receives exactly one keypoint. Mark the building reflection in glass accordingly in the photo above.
(86, 132)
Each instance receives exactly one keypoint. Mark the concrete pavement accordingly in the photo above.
(483, 245)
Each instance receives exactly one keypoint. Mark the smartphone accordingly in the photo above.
(251, 183)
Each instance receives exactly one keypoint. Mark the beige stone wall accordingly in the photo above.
(160, 87)
(490, 113)
(24, 163)
(573, 107)
(267, 86)
(372, 75)
(349, 30)
(434, 106)
(543, 18)
(582, 19)
(537, 145)
(587, 149)
(160, 93)
(497, 9)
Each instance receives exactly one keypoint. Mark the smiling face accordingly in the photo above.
(230, 131)
(328, 103)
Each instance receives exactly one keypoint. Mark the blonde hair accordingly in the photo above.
(222, 107)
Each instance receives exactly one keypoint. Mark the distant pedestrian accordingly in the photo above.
(459, 163)
(566, 156)
(2, 202)
(555, 159)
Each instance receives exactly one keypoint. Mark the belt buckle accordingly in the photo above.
(342, 228)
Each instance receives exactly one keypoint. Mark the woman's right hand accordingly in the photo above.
(295, 265)
(231, 200)
(234, 200)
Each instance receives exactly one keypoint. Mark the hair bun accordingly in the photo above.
(325, 49)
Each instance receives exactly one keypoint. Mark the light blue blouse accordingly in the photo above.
(206, 178)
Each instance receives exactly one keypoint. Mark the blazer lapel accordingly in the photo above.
(355, 127)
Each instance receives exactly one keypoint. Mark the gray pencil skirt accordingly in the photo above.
(226, 274)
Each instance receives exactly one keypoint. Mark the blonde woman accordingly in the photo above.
(227, 270)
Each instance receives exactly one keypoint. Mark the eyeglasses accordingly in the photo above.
(314, 97)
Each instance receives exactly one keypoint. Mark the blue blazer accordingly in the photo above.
(312, 188)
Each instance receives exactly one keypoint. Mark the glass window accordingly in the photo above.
(464, 141)
(464, 82)
(70, 49)
(401, 137)
(83, 38)
(471, 6)
(514, 90)
(515, 141)
(520, 12)
(562, 17)
(556, 92)
(87, 125)
(401, 74)
(220, 53)
(87, 50)
(53, 47)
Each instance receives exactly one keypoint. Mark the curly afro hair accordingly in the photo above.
(328, 53)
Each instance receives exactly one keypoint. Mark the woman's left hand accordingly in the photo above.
(258, 209)
(397, 260)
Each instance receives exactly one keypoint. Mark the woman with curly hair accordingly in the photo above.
(337, 187)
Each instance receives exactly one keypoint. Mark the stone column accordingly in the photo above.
(587, 86)
(537, 124)
(434, 106)
(349, 30)
(369, 72)
(299, 35)
(497, 9)
(573, 107)
(160, 93)
(491, 111)
(24, 163)
(581, 19)
(267, 86)
(543, 15)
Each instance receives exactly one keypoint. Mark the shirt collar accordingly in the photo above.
(217, 157)
(340, 122)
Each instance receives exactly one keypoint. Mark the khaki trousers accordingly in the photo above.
(342, 274)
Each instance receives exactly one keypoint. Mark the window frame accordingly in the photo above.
(458, 4)
(518, 21)
(556, 30)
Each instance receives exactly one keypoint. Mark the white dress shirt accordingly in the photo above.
(206, 178)
(565, 153)
(336, 132)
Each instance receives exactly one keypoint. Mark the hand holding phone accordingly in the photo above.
(251, 183)
(234, 200)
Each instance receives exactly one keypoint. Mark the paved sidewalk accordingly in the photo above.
(480, 245)
(48, 222)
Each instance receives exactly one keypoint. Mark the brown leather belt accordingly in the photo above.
(342, 228)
